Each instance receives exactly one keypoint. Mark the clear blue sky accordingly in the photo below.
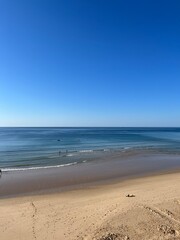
(89, 63)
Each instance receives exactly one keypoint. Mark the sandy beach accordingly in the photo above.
(98, 212)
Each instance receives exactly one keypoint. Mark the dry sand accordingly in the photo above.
(97, 212)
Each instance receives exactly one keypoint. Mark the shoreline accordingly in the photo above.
(118, 168)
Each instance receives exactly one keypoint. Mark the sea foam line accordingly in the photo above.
(86, 151)
(36, 168)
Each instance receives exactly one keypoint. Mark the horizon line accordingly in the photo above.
(89, 127)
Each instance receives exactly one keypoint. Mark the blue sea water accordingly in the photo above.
(29, 148)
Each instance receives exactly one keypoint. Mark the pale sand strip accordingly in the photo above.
(97, 212)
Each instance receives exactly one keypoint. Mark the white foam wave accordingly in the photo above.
(85, 151)
(70, 155)
(126, 148)
(106, 150)
(36, 168)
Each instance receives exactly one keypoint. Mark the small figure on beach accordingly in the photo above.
(130, 195)
(0, 172)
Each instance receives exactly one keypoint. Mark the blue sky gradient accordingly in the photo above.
(89, 63)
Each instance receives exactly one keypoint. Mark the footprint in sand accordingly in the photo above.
(168, 230)
(113, 236)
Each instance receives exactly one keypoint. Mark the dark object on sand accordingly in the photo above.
(113, 236)
(110, 236)
(130, 195)
(0, 172)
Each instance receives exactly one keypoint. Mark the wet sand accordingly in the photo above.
(113, 168)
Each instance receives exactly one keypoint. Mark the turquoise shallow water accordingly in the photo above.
(27, 148)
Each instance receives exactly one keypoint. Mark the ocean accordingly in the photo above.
(34, 148)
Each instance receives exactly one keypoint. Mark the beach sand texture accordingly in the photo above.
(97, 212)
